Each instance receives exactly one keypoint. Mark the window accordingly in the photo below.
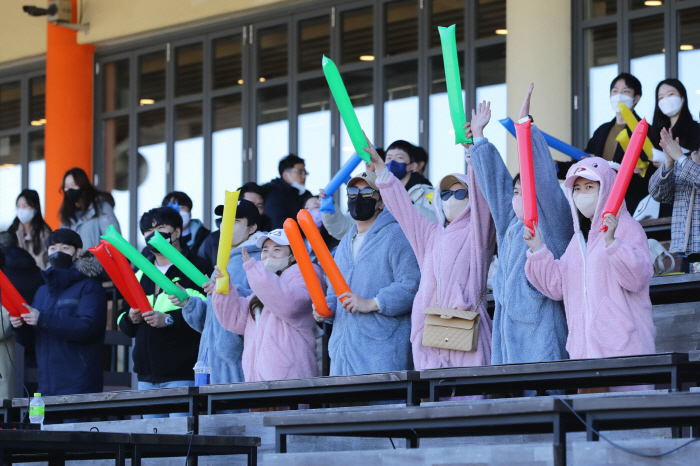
(210, 111)
(22, 120)
(651, 40)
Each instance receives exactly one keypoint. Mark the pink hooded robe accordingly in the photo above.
(281, 344)
(455, 257)
(605, 288)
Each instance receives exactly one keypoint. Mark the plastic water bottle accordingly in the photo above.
(36, 410)
(202, 374)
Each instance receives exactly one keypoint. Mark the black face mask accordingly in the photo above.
(167, 236)
(73, 195)
(60, 260)
(362, 208)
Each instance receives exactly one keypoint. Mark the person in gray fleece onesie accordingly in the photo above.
(527, 326)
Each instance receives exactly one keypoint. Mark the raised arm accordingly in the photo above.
(338, 224)
(231, 309)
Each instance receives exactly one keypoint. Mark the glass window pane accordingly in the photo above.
(491, 18)
(116, 166)
(116, 85)
(689, 58)
(37, 166)
(491, 86)
(152, 162)
(10, 177)
(447, 157)
(647, 60)
(314, 38)
(446, 13)
(188, 70)
(151, 78)
(599, 8)
(600, 49)
(227, 148)
(228, 62)
(314, 132)
(401, 27)
(189, 155)
(272, 53)
(37, 101)
(401, 102)
(360, 89)
(357, 41)
(10, 98)
(644, 4)
(273, 131)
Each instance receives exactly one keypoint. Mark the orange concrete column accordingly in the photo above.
(68, 133)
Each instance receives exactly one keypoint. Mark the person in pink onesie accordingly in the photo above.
(276, 321)
(603, 278)
(454, 255)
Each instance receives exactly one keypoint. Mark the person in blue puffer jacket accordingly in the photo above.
(67, 319)
(223, 349)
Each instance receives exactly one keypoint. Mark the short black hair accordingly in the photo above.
(288, 163)
(407, 147)
(421, 155)
(516, 180)
(630, 81)
(181, 198)
(65, 236)
(160, 216)
(252, 187)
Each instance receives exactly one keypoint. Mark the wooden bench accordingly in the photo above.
(121, 404)
(405, 385)
(475, 418)
(59, 447)
(667, 368)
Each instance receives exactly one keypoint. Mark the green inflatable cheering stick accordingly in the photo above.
(176, 257)
(453, 82)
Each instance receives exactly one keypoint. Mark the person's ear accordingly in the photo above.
(412, 167)
(636, 98)
(78, 252)
(286, 176)
(252, 229)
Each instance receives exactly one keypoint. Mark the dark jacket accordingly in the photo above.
(69, 336)
(170, 353)
(639, 187)
(200, 234)
(283, 201)
(21, 269)
(210, 248)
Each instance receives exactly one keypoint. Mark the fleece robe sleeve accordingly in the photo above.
(195, 314)
(496, 184)
(231, 310)
(88, 322)
(415, 226)
(629, 256)
(338, 224)
(397, 298)
(544, 272)
(287, 298)
(662, 186)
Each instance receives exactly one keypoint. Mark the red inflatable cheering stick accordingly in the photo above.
(307, 268)
(307, 224)
(101, 252)
(527, 175)
(11, 299)
(624, 176)
(131, 283)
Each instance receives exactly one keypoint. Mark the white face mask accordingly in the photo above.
(586, 204)
(453, 207)
(185, 219)
(275, 265)
(625, 99)
(671, 105)
(518, 206)
(240, 235)
(300, 187)
(25, 215)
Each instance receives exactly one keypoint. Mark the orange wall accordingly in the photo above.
(69, 89)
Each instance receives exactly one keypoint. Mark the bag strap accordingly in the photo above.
(483, 293)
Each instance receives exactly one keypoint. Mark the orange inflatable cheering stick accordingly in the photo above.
(629, 162)
(307, 224)
(307, 268)
(527, 175)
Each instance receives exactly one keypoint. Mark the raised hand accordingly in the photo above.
(534, 241)
(611, 222)
(480, 118)
(176, 299)
(377, 161)
(671, 147)
(245, 255)
(525, 109)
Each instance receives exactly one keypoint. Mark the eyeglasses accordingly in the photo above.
(353, 192)
(299, 171)
(459, 194)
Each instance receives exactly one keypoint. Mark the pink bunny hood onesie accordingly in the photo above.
(280, 344)
(454, 261)
(605, 288)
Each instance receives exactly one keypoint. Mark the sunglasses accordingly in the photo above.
(459, 194)
(353, 192)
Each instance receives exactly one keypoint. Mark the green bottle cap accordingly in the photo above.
(37, 394)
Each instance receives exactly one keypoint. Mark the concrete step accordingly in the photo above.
(602, 453)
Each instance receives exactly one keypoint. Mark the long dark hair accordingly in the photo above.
(685, 128)
(89, 196)
(37, 224)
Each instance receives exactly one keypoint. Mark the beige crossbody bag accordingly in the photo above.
(451, 329)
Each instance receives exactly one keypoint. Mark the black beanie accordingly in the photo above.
(65, 236)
